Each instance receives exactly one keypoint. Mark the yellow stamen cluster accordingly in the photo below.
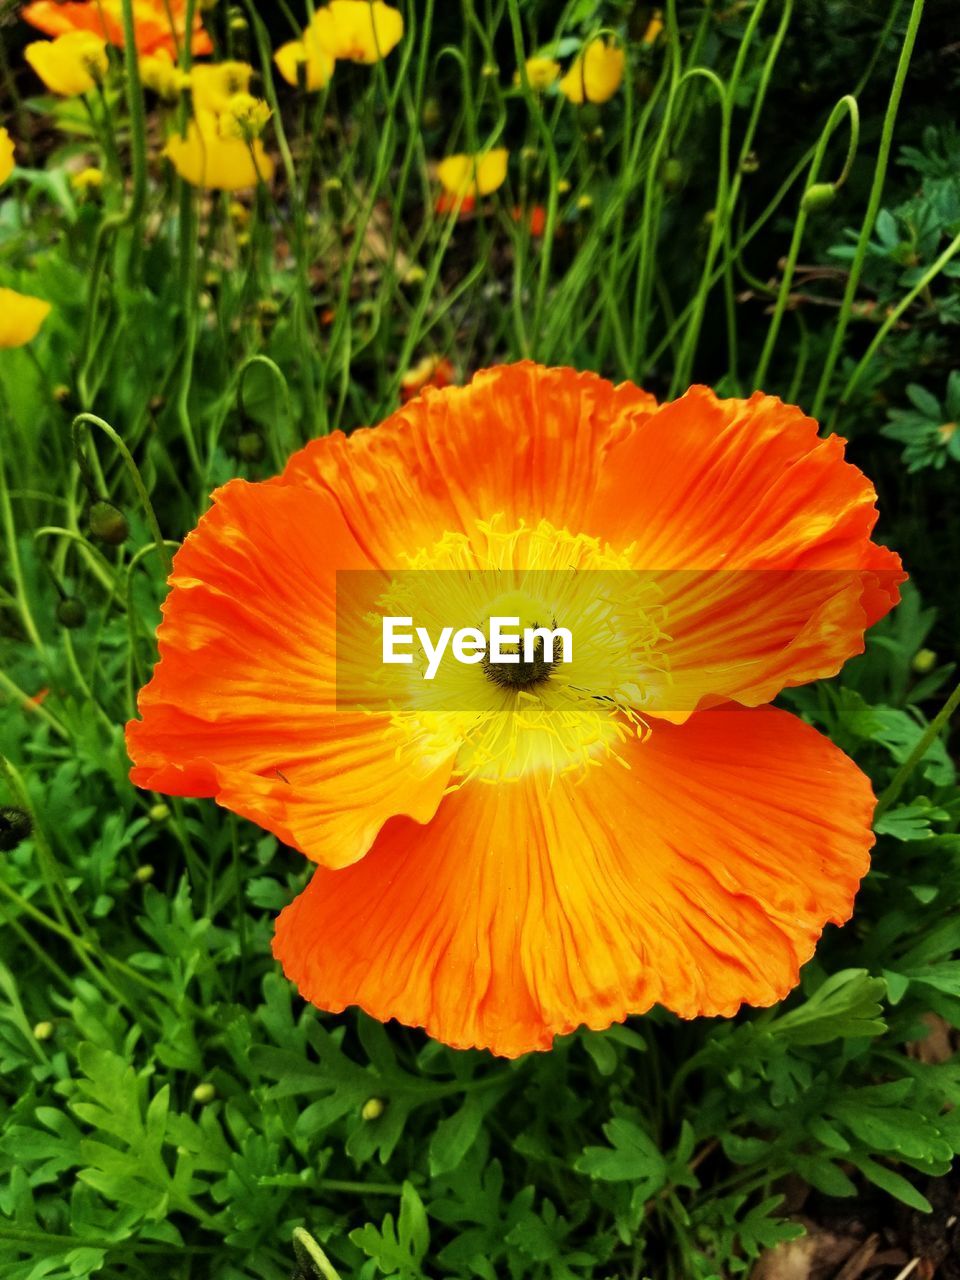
(573, 715)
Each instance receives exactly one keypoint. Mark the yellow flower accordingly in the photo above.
(245, 117)
(216, 83)
(358, 30)
(20, 317)
(596, 73)
(86, 180)
(71, 64)
(7, 161)
(162, 77)
(205, 159)
(309, 52)
(464, 176)
(541, 72)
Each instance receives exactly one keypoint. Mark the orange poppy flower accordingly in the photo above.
(446, 202)
(578, 843)
(152, 20)
(535, 218)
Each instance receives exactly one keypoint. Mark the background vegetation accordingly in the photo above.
(169, 1107)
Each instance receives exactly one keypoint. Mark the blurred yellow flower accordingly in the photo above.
(72, 64)
(310, 53)
(465, 176)
(205, 159)
(20, 317)
(6, 155)
(245, 117)
(162, 77)
(358, 30)
(215, 83)
(89, 179)
(596, 74)
(654, 27)
(541, 72)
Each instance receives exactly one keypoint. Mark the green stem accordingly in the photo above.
(846, 106)
(126, 217)
(16, 569)
(952, 249)
(873, 208)
(929, 735)
(138, 484)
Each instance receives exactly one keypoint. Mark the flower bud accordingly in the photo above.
(431, 115)
(820, 196)
(15, 826)
(268, 312)
(66, 399)
(250, 446)
(108, 524)
(750, 163)
(159, 812)
(924, 661)
(144, 874)
(333, 190)
(373, 1109)
(204, 1093)
(43, 1031)
(71, 613)
(672, 174)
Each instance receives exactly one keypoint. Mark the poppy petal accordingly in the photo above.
(243, 705)
(757, 532)
(521, 440)
(699, 878)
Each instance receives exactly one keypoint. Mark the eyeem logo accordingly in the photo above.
(534, 646)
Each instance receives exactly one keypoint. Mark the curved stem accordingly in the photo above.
(846, 106)
(125, 454)
(873, 208)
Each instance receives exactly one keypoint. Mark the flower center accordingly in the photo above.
(530, 705)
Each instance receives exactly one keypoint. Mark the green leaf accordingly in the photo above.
(845, 1005)
(454, 1136)
(398, 1250)
(893, 1183)
(631, 1157)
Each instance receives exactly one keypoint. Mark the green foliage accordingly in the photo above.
(169, 1106)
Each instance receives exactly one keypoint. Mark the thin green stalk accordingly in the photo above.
(131, 215)
(873, 208)
(36, 708)
(13, 557)
(952, 249)
(923, 744)
(553, 168)
(847, 106)
(105, 427)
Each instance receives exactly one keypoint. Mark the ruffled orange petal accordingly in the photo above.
(779, 523)
(243, 703)
(522, 441)
(699, 878)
